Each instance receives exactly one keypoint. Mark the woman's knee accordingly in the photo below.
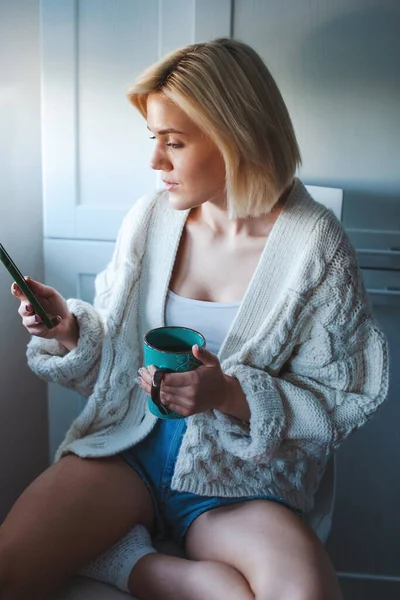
(308, 585)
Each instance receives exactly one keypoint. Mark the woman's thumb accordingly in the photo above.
(207, 358)
(39, 288)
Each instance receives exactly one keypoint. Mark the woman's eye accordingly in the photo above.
(169, 144)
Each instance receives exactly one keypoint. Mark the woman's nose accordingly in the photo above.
(159, 162)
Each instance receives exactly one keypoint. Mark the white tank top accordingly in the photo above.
(212, 319)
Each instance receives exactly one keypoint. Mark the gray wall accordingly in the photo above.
(23, 405)
(338, 67)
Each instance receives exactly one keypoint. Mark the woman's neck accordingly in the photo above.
(214, 216)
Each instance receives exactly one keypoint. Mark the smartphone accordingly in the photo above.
(24, 287)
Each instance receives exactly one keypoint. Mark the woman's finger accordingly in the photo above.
(25, 309)
(184, 379)
(35, 325)
(174, 402)
(145, 375)
(146, 381)
(32, 321)
(17, 292)
(186, 391)
(40, 289)
(179, 408)
(146, 387)
(171, 399)
(39, 329)
(184, 403)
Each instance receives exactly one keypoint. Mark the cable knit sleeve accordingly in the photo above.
(79, 368)
(333, 379)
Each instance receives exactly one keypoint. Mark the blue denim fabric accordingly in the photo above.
(154, 461)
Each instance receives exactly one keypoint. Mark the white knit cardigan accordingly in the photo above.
(304, 346)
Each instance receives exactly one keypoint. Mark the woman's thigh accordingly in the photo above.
(72, 512)
(274, 549)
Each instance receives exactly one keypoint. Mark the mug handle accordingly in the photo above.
(155, 389)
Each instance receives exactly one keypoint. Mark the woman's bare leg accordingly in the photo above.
(71, 513)
(274, 549)
(161, 577)
(76, 510)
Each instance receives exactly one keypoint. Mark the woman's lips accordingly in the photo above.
(170, 185)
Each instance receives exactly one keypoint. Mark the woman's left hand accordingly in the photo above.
(192, 392)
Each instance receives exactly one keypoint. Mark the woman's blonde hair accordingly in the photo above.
(226, 90)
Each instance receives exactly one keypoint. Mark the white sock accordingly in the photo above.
(115, 565)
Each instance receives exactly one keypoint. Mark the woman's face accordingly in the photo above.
(191, 165)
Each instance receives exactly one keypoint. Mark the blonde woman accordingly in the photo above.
(236, 248)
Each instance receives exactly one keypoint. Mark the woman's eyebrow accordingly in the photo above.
(167, 131)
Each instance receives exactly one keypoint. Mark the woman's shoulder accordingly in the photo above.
(321, 248)
(144, 205)
(325, 232)
(136, 222)
(304, 202)
(141, 214)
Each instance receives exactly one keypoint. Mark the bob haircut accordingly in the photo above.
(225, 88)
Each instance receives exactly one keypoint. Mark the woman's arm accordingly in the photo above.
(75, 367)
(235, 402)
(74, 362)
(333, 382)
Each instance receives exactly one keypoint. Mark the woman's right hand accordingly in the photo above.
(65, 331)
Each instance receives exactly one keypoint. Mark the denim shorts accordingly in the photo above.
(154, 460)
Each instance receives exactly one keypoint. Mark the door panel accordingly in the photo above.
(96, 147)
(71, 267)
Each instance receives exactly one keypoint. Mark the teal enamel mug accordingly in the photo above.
(169, 349)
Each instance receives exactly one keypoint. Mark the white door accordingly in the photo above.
(96, 146)
(71, 267)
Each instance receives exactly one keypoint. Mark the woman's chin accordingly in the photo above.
(180, 202)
